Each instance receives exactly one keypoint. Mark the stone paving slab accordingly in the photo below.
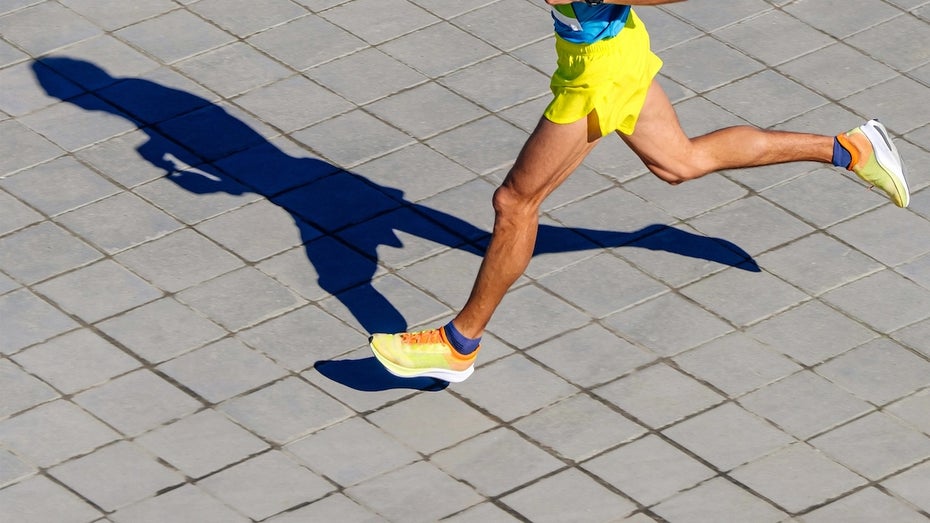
(207, 205)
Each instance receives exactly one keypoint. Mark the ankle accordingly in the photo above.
(461, 343)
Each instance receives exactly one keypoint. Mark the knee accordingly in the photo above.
(511, 203)
(678, 171)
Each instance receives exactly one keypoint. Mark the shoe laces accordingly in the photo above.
(422, 337)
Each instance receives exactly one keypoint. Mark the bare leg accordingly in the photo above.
(672, 156)
(549, 156)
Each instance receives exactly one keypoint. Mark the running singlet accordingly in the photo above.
(581, 23)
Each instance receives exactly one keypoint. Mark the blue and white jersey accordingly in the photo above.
(581, 23)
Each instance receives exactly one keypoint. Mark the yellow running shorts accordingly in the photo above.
(611, 77)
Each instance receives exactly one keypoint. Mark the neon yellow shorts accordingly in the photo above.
(611, 77)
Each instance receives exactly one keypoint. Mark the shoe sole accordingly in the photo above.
(887, 157)
(452, 376)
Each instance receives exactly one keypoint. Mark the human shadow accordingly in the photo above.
(204, 149)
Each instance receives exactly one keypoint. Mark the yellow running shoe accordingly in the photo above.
(422, 354)
(875, 159)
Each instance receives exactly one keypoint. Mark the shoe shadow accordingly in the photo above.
(204, 149)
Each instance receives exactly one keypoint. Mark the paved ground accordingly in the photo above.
(206, 206)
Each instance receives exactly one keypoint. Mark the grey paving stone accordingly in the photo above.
(191, 35)
(288, 42)
(728, 436)
(912, 486)
(736, 364)
(649, 470)
(880, 371)
(818, 263)
(420, 170)
(895, 101)
(450, 421)
(10, 54)
(332, 508)
(161, 330)
(14, 214)
(373, 138)
(221, 299)
(804, 196)
(119, 222)
(113, 14)
(761, 178)
(717, 500)
(244, 17)
(75, 361)
(450, 49)
(80, 122)
(798, 478)
(603, 285)
(590, 356)
(25, 319)
(697, 197)
(864, 506)
(823, 17)
(340, 75)
(115, 57)
(303, 337)
(766, 99)
(913, 409)
(875, 446)
(917, 270)
(491, 22)
(691, 66)
(23, 94)
(201, 443)
(861, 72)
(647, 325)
(482, 513)
(222, 370)
(513, 387)
(579, 427)
(26, 28)
(472, 83)
(659, 395)
(187, 504)
(426, 110)
(75, 291)
(266, 485)
(39, 499)
(529, 315)
(37, 434)
(893, 302)
(895, 42)
(119, 160)
(286, 410)
(179, 260)
(496, 461)
(233, 69)
(116, 476)
(774, 37)
(351, 452)
(568, 496)
(465, 145)
(751, 223)
(13, 469)
(22, 147)
(75, 184)
(599, 212)
(399, 17)
(20, 390)
(137, 402)
(271, 231)
(399, 494)
(805, 404)
(811, 333)
(743, 297)
(42, 251)
(889, 237)
(291, 103)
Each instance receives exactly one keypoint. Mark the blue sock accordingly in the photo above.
(462, 344)
(841, 157)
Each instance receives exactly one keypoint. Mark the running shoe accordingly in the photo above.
(422, 354)
(875, 159)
